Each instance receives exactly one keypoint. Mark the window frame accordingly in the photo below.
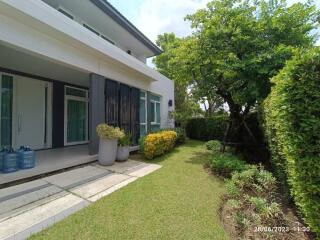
(155, 110)
(145, 124)
(80, 99)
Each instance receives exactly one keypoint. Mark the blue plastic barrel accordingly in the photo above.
(10, 162)
(26, 158)
(3, 152)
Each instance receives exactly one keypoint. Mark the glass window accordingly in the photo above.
(76, 92)
(157, 112)
(65, 13)
(143, 130)
(77, 121)
(142, 111)
(6, 110)
(153, 112)
(155, 127)
(91, 29)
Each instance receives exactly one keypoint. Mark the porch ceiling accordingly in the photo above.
(18, 60)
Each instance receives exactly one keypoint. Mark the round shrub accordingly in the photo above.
(213, 145)
(292, 117)
(157, 144)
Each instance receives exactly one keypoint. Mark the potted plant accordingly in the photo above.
(109, 136)
(123, 148)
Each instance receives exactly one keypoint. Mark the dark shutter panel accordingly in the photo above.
(112, 103)
(135, 115)
(58, 115)
(124, 113)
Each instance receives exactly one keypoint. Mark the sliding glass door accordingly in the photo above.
(6, 103)
(76, 116)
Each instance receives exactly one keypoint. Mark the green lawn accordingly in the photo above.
(179, 201)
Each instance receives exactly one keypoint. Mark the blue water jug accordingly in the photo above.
(26, 158)
(10, 162)
(3, 152)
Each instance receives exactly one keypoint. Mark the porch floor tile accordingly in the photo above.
(30, 207)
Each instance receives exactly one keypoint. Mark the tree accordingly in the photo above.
(238, 46)
(186, 105)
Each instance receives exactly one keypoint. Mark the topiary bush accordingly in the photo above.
(206, 129)
(157, 144)
(292, 123)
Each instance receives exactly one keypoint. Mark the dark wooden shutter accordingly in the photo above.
(112, 103)
(57, 115)
(124, 113)
(135, 115)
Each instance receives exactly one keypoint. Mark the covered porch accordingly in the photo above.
(52, 160)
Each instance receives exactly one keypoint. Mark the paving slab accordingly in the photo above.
(143, 171)
(121, 167)
(92, 188)
(19, 200)
(112, 189)
(76, 177)
(5, 192)
(25, 224)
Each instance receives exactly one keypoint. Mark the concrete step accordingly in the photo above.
(141, 171)
(76, 177)
(121, 167)
(27, 223)
(90, 189)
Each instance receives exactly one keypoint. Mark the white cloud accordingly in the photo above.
(157, 17)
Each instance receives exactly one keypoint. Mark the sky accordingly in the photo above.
(154, 17)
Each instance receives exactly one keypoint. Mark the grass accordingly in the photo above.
(179, 201)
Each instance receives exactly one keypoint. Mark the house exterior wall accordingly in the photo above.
(33, 27)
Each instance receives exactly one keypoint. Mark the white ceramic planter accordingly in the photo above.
(107, 151)
(123, 153)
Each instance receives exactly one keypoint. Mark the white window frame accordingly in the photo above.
(155, 110)
(81, 99)
(145, 124)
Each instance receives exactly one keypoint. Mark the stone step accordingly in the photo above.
(23, 201)
(112, 189)
(142, 171)
(76, 177)
(121, 167)
(35, 220)
(92, 188)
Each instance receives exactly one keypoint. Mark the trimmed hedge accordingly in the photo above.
(206, 129)
(292, 124)
(157, 144)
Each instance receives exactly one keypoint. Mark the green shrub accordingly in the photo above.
(206, 129)
(157, 144)
(225, 164)
(252, 201)
(292, 126)
(181, 134)
(213, 145)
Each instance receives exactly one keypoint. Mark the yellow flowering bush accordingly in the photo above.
(106, 131)
(157, 144)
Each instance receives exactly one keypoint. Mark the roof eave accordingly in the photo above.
(112, 12)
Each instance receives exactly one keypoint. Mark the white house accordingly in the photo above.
(68, 65)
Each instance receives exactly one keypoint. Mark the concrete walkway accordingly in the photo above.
(30, 207)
